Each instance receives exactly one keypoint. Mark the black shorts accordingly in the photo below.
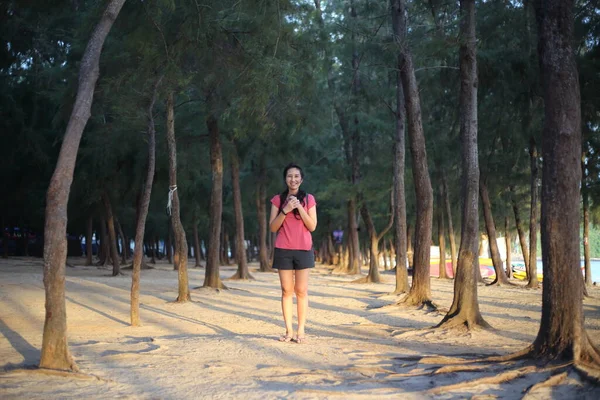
(293, 259)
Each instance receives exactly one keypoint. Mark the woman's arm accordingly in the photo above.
(309, 218)
(276, 219)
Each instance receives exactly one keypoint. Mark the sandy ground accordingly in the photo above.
(224, 344)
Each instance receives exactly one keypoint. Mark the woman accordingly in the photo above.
(293, 217)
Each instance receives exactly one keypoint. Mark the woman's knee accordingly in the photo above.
(287, 291)
(301, 291)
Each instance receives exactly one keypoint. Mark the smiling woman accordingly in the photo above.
(293, 217)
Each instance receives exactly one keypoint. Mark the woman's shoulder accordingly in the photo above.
(311, 199)
(276, 200)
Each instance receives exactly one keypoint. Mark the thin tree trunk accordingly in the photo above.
(143, 205)
(373, 274)
(507, 240)
(532, 268)
(451, 234)
(197, 250)
(103, 249)
(520, 232)
(240, 251)
(464, 311)
(354, 266)
(586, 224)
(562, 334)
(212, 278)
(123, 241)
(89, 245)
(442, 241)
(112, 237)
(420, 291)
(490, 227)
(55, 350)
(181, 245)
(400, 228)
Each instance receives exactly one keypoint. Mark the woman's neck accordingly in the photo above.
(293, 192)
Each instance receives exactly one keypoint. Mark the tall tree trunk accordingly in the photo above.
(532, 268)
(261, 212)
(354, 266)
(240, 251)
(442, 241)
(112, 237)
(104, 248)
(451, 235)
(520, 232)
(373, 274)
(123, 241)
(181, 245)
(197, 250)
(562, 333)
(420, 291)
(465, 305)
(586, 224)
(89, 245)
(400, 228)
(55, 350)
(490, 227)
(142, 206)
(507, 240)
(212, 278)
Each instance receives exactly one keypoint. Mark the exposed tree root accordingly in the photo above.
(54, 372)
(552, 381)
(143, 266)
(214, 289)
(365, 279)
(588, 371)
(411, 301)
(238, 277)
(493, 380)
(460, 368)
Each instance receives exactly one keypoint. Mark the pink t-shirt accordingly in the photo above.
(293, 234)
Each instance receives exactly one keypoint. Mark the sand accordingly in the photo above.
(223, 344)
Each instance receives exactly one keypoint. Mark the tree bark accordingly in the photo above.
(240, 250)
(112, 237)
(143, 206)
(197, 250)
(490, 227)
(181, 246)
(400, 228)
(464, 311)
(562, 333)
(55, 351)
(532, 267)
(420, 291)
(212, 278)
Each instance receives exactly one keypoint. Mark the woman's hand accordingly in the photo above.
(292, 204)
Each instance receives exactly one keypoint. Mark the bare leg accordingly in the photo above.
(287, 299)
(301, 290)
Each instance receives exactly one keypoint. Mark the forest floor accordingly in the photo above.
(224, 344)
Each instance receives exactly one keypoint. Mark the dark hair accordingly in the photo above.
(301, 195)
